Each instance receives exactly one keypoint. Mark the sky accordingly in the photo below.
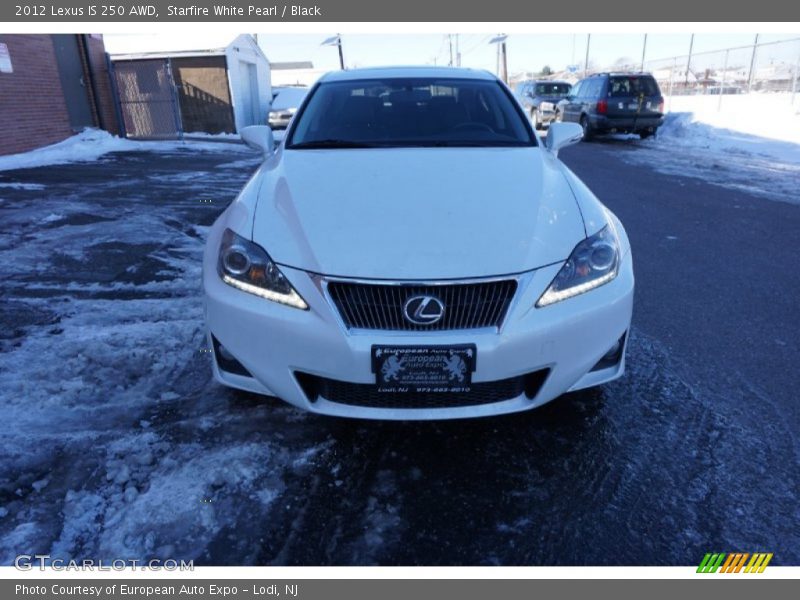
(526, 52)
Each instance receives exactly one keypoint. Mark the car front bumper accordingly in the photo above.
(275, 342)
(546, 115)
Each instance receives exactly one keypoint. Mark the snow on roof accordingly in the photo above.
(141, 46)
(398, 72)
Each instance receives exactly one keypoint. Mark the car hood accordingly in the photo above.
(416, 213)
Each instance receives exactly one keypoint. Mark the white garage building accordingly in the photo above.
(172, 92)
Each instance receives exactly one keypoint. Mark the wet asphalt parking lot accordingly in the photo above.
(118, 444)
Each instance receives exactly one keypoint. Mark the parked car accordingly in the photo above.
(413, 250)
(285, 102)
(539, 98)
(614, 102)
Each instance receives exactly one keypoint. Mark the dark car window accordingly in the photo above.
(595, 88)
(552, 89)
(410, 112)
(632, 85)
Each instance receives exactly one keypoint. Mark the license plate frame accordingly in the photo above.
(424, 369)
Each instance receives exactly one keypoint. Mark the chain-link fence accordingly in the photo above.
(768, 68)
(765, 68)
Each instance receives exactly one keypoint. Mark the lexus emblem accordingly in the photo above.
(423, 310)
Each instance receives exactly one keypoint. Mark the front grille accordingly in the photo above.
(364, 394)
(380, 306)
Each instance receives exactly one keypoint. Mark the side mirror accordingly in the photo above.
(561, 135)
(259, 137)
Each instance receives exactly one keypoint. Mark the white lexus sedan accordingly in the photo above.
(412, 250)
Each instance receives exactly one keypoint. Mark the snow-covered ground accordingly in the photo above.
(91, 144)
(117, 444)
(95, 360)
(749, 142)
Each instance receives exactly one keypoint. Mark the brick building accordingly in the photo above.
(52, 86)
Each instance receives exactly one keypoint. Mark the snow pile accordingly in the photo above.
(684, 130)
(770, 116)
(749, 143)
(758, 124)
(91, 144)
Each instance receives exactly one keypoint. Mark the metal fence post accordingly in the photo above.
(586, 62)
(752, 66)
(671, 78)
(176, 104)
(112, 76)
(722, 85)
(795, 73)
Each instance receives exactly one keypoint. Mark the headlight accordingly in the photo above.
(593, 262)
(246, 266)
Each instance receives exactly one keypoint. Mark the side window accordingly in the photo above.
(576, 90)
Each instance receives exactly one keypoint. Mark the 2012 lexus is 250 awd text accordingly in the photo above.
(412, 250)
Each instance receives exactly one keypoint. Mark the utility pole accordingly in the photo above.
(450, 42)
(502, 57)
(336, 41)
(644, 49)
(458, 53)
(586, 61)
(752, 65)
(688, 63)
(505, 61)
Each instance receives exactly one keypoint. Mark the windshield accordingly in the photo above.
(632, 86)
(552, 89)
(410, 112)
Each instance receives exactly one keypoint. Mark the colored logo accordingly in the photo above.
(735, 562)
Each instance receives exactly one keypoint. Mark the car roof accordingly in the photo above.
(403, 72)
(288, 96)
(622, 74)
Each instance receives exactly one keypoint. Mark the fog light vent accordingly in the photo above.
(613, 356)
(227, 361)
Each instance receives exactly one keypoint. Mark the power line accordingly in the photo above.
(476, 45)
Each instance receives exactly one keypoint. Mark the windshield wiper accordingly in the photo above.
(329, 143)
